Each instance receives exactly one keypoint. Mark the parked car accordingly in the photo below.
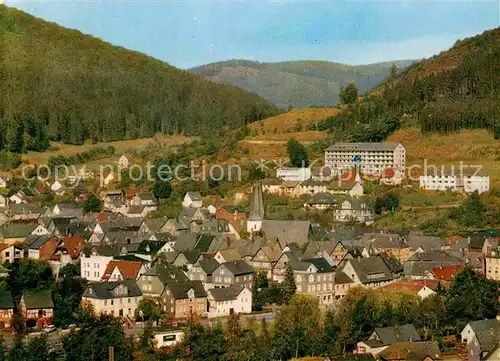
(49, 329)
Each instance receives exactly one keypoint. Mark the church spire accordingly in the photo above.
(256, 215)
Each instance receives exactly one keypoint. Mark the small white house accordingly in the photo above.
(193, 200)
(229, 300)
(3, 182)
(57, 188)
(293, 174)
(3, 202)
(167, 336)
(124, 161)
(482, 338)
(16, 199)
(455, 181)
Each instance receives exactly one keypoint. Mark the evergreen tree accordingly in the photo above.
(37, 349)
(471, 297)
(146, 341)
(162, 189)
(394, 70)
(92, 204)
(288, 287)
(348, 94)
(297, 153)
(3, 355)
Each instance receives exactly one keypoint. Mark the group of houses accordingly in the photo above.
(479, 340)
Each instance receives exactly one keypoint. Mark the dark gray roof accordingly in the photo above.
(155, 224)
(203, 243)
(295, 262)
(324, 198)
(342, 278)
(6, 300)
(390, 335)
(185, 241)
(238, 267)
(287, 231)
(383, 240)
(180, 289)
(411, 351)
(186, 214)
(321, 265)
(17, 230)
(362, 146)
(256, 203)
(167, 273)
(226, 293)
(104, 290)
(314, 248)
(392, 262)
(427, 243)
(38, 299)
(208, 265)
(168, 257)
(421, 262)
(37, 241)
(487, 333)
(372, 269)
(195, 196)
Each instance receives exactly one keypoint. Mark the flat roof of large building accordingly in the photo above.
(363, 146)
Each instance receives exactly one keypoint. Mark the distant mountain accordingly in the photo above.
(297, 83)
(60, 84)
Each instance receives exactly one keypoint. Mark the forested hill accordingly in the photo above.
(297, 83)
(60, 84)
(457, 89)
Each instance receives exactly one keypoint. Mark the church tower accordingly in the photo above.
(256, 216)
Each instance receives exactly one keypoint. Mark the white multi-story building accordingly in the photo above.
(369, 158)
(118, 298)
(93, 266)
(293, 174)
(229, 300)
(459, 181)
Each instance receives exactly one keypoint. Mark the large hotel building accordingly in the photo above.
(369, 158)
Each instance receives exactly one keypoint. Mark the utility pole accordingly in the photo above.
(111, 353)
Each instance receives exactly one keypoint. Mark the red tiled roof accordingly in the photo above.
(4, 246)
(348, 176)
(388, 173)
(48, 248)
(74, 245)
(40, 189)
(130, 193)
(413, 286)
(128, 269)
(446, 273)
(101, 217)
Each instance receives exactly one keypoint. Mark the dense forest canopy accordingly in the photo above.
(59, 84)
(457, 89)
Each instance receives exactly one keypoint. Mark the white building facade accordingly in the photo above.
(369, 158)
(458, 182)
(293, 174)
(92, 267)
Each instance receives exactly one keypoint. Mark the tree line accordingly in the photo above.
(300, 328)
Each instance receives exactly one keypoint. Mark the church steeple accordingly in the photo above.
(256, 215)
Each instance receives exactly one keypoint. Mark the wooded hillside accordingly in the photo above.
(457, 89)
(59, 84)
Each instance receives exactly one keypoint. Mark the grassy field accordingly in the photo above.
(288, 121)
(121, 147)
